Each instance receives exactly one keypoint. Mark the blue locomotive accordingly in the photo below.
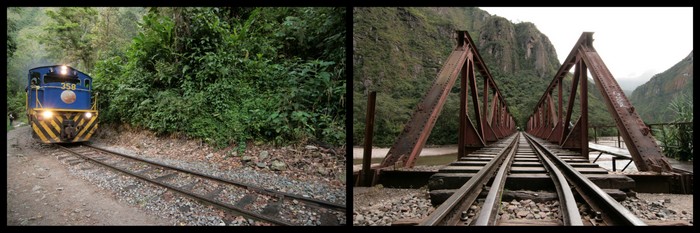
(60, 104)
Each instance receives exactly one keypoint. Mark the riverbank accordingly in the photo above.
(357, 152)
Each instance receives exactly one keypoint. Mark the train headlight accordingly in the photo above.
(64, 70)
(47, 115)
(88, 115)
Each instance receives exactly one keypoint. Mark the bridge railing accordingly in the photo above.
(597, 128)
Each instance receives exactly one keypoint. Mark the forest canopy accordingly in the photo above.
(224, 75)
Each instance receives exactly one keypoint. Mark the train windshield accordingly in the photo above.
(60, 79)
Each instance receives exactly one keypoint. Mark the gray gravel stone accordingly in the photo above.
(263, 155)
(654, 210)
(522, 213)
(386, 211)
(512, 208)
(278, 165)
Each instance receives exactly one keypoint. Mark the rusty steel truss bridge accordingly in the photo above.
(548, 121)
(552, 153)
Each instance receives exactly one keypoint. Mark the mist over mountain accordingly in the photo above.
(631, 83)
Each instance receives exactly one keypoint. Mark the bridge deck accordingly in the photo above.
(617, 152)
(526, 172)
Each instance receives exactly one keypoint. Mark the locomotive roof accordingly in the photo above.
(44, 67)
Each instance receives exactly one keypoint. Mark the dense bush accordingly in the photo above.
(677, 140)
(230, 75)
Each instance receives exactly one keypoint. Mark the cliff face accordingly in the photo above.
(497, 42)
(652, 98)
(539, 51)
(516, 47)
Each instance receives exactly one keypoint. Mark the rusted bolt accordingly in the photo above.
(644, 130)
(465, 216)
(598, 216)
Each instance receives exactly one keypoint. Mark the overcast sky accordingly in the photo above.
(634, 42)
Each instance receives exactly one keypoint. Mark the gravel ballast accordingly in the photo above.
(378, 206)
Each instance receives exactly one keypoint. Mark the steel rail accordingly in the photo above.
(492, 204)
(613, 213)
(570, 213)
(463, 198)
(223, 206)
(323, 203)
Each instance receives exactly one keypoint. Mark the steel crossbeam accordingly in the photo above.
(556, 126)
(493, 119)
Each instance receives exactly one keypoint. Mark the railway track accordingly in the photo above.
(520, 154)
(234, 197)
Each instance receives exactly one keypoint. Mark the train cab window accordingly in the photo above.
(60, 79)
(35, 78)
(87, 84)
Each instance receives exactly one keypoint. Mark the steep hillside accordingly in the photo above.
(651, 99)
(399, 51)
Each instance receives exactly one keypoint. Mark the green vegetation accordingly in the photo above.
(69, 32)
(223, 75)
(398, 52)
(651, 99)
(15, 103)
(677, 140)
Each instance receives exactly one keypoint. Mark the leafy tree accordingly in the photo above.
(69, 35)
(114, 29)
(15, 100)
(11, 41)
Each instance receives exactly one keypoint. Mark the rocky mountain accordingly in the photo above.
(652, 98)
(399, 51)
